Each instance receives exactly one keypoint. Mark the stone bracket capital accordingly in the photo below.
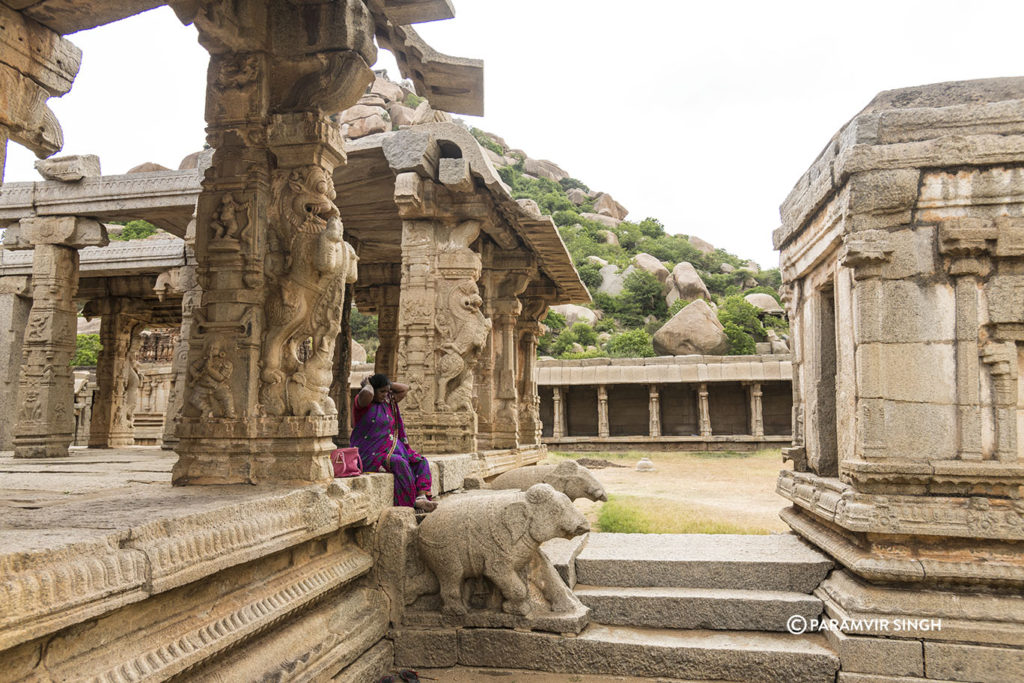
(67, 231)
(865, 252)
(967, 242)
(1001, 356)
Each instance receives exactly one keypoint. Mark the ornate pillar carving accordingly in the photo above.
(342, 370)
(528, 330)
(654, 411)
(506, 276)
(191, 297)
(558, 429)
(441, 329)
(703, 410)
(116, 372)
(15, 302)
(272, 261)
(46, 419)
(602, 411)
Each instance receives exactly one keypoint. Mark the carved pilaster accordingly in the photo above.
(342, 370)
(654, 411)
(966, 244)
(45, 425)
(386, 359)
(703, 410)
(272, 261)
(1001, 359)
(116, 372)
(15, 302)
(602, 412)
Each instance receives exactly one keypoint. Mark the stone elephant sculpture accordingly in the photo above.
(497, 537)
(568, 477)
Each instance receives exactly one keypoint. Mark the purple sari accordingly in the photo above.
(383, 447)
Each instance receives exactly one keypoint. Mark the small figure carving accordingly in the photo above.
(210, 377)
(497, 537)
(568, 477)
(230, 219)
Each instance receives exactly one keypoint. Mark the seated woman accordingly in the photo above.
(379, 435)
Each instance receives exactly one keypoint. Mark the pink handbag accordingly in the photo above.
(346, 462)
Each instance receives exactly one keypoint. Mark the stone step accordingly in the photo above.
(654, 653)
(779, 562)
(697, 608)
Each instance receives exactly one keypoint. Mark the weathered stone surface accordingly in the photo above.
(765, 302)
(606, 221)
(654, 653)
(540, 168)
(577, 196)
(652, 265)
(401, 115)
(390, 92)
(606, 206)
(358, 352)
(147, 167)
(562, 553)
(498, 536)
(694, 329)
(574, 314)
(696, 608)
(69, 169)
(726, 268)
(436, 647)
(769, 563)
(702, 246)
(372, 665)
(957, 662)
(612, 281)
(608, 237)
(362, 120)
(889, 656)
(598, 260)
(568, 477)
(687, 282)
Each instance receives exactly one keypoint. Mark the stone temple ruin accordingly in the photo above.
(900, 253)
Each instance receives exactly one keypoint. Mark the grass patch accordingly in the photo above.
(639, 515)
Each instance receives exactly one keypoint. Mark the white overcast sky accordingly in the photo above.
(702, 114)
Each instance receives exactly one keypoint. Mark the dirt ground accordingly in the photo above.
(738, 488)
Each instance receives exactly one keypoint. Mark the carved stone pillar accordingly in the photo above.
(46, 419)
(602, 411)
(342, 371)
(497, 376)
(756, 410)
(121, 323)
(14, 307)
(654, 411)
(272, 261)
(704, 410)
(558, 429)
(441, 331)
(528, 330)
(191, 297)
(386, 359)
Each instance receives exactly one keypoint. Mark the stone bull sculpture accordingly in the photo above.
(497, 537)
(568, 477)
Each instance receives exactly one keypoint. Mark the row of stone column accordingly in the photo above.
(560, 417)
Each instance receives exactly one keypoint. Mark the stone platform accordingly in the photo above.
(109, 572)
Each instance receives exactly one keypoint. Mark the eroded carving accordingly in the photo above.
(210, 379)
(463, 329)
(308, 266)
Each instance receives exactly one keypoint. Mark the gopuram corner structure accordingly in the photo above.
(903, 264)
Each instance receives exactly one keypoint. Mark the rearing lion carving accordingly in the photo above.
(308, 264)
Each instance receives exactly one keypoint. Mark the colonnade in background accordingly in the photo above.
(673, 411)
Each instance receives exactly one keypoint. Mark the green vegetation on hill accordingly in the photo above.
(87, 350)
(641, 308)
(135, 230)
